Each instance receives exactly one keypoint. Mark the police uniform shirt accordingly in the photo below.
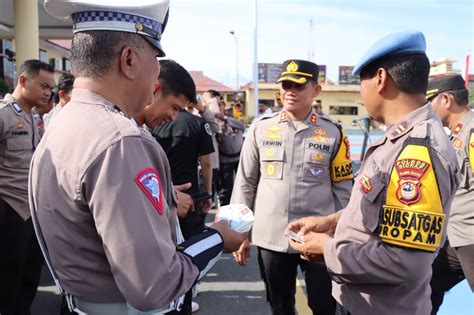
(231, 140)
(290, 173)
(101, 189)
(183, 141)
(461, 219)
(388, 235)
(20, 134)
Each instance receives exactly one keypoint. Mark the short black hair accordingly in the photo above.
(174, 79)
(31, 68)
(214, 93)
(66, 82)
(94, 52)
(408, 71)
(460, 96)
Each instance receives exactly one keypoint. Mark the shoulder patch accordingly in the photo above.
(16, 107)
(208, 129)
(149, 182)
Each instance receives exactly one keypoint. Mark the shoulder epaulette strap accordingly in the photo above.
(267, 116)
(420, 130)
(3, 103)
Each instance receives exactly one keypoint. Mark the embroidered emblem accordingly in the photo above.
(315, 171)
(317, 157)
(272, 135)
(274, 128)
(314, 119)
(365, 183)
(457, 129)
(457, 143)
(149, 182)
(20, 125)
(208, 129)
(348, 148)
(410, 172)
(271, 170)
(320, 135)
(269, 153)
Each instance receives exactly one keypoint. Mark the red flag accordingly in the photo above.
(466, 71)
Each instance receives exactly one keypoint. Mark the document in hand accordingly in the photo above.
(240, 217)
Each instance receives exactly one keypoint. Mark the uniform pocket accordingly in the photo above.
(372, 190)
(18, 153)
(271, 162)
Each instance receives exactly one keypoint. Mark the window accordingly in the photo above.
(66, 64)
(343, 110)
(43, 55)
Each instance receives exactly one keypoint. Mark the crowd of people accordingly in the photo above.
(108, 175)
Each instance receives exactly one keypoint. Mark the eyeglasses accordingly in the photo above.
(288, 85)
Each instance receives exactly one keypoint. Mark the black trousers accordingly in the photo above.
(20, 263)
(451, 266)
(279, 270)
(227, 173)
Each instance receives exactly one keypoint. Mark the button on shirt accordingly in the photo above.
(370, 276)
(20, 134)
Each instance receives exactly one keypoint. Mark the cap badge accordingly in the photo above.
(410, 172)
(292, 67)
(139, 26)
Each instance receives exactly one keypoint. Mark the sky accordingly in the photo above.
(198, 32)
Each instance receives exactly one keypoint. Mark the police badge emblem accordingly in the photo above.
(149, 182)
(410, 172)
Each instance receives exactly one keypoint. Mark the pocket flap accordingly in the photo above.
(15, 144)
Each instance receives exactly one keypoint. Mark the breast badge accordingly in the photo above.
(271, 169)
(20, 125)
(320, 135)
(457, 143)
(365, 183)
(317, 157)
(269, 153)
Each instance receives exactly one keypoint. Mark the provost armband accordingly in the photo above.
(413, 214)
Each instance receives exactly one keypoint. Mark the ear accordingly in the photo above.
(382, 79)
(316, 90)
(61, 93)
(447, 100)
(128, 61)
(22, 80)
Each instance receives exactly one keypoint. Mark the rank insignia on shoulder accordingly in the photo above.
(20, 125)
(274, 128)
(17, 107)
(149, 182)
(401, 128)
(457, 143)
(457, 129)
(314, 119)
(410, 172)
(365, 183)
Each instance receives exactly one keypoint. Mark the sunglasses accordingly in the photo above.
(288, 85)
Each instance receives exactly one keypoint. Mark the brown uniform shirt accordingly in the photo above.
(371, 276)
(20, 134)
(101, 188)
(285, 169)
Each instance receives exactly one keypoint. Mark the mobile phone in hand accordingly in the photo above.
(294, 237)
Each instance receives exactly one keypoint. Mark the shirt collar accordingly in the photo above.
(398, 130)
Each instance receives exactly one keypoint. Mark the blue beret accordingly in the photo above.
(392, 45)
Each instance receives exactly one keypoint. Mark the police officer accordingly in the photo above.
(186, 140)
(455, 261)
(387, 237)
(20, 133)
(294, 163)
(64, 88)
(100, 186)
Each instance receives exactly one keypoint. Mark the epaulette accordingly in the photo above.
(420, 130)
(3, 104)
(329, 119)
(267, 116)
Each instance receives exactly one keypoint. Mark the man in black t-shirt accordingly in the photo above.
(185, 141)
